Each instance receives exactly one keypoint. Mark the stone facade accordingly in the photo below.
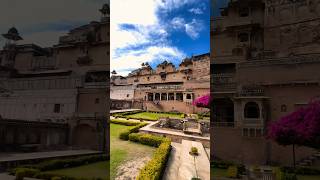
(167, 88)
(63, 84)
(264, 65)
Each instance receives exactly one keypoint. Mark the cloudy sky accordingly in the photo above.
(156, 30)
(43, 21)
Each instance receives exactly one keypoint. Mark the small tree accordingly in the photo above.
(301, 127)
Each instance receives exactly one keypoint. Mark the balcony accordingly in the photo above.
(222, 124)
(253, 122)
(223, 82)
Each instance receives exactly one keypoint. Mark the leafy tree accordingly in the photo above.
(301, 127)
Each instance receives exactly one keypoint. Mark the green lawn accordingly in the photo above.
(121, 151)
(94, 170)
(153, 116)
(216, 172)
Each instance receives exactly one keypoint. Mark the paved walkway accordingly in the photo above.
(6, 157)
(183, 166)
(124, 110)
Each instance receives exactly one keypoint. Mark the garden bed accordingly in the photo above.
(153, 169)
(69, 169)
(122, 151)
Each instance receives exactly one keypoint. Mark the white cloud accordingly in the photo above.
(133, 59)
(193, 28)
(145, 32)
(178, 23)
(169, 5)
(196, 10)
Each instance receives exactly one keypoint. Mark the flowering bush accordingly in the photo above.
(203, 101)
(301, 127)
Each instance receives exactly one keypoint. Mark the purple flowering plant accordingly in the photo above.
(301, 127)
(203, 101)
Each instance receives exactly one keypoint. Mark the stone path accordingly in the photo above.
(181, 165)
(131, 169)
(5, 157)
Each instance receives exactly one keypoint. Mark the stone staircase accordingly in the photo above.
(311, 160)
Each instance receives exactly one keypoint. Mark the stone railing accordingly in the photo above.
(222, 78)
(223, 82)
(251, 92)
(281, 61)
(222, 124)
(253, 122)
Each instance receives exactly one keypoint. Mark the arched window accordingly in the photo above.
(179, 96)
(171, 97)
(163, 96)
(157, 97)
(251, 110)
(188, 96)
(150, 97)
(283, 108)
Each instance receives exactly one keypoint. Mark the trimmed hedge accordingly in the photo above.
(154, 168)
(64, 163)
(25, 172)
(35, 173)
(226, 165)
(232, 172)
(125, 122)
(125, 135)
(147, 139)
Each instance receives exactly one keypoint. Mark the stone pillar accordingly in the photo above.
(154, 96)
(167, 96)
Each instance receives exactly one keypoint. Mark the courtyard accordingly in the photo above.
(131, 157)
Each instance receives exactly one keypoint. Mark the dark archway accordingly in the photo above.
(251, 110)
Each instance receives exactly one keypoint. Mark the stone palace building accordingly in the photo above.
(56, 97)
(265, 63)
(165, 88)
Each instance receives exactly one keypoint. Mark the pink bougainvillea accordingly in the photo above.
(301, 127)
(203, 101)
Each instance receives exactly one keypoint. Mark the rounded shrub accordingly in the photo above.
(232, 172)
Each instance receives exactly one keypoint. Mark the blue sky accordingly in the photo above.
(156, 30)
